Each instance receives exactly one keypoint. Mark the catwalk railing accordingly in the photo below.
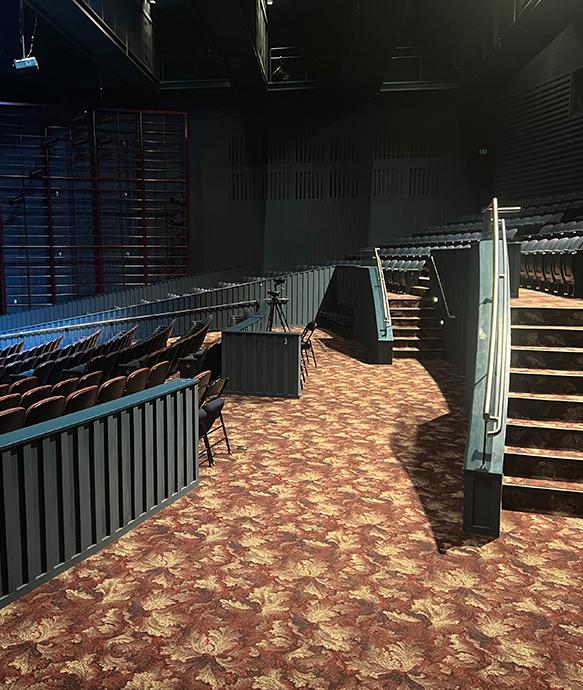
(70, 486)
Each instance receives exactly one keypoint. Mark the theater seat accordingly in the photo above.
(45, 410)
(81, 400)
(66, 387)
(12, 419)
(8, 401)
(35, 395)
(111, 390)
(136, 382)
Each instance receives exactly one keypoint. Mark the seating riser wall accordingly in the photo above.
(70, 486)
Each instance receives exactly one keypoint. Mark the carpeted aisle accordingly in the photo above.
(325, 553)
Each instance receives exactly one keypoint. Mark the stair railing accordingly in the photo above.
(495, 401)
(384, 296)
(440, 284)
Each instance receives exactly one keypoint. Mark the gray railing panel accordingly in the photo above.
(50, 456)
(305, 291)
(121, 298)
(72, 485)
(262, 363)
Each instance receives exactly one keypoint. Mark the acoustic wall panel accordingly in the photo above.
(539, 142)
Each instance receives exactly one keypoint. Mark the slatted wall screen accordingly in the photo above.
(90, 202)
(539, 142)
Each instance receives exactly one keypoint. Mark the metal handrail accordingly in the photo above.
(385, 298)
(445, 304)
(124, 319)
(499, 345)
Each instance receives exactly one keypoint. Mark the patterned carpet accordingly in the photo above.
(325, 553)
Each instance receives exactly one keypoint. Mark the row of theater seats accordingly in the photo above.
(86, 361)
(569, 229)
(532, 216)
(152, 351)
(13, 353)
(401, 275)
(553, 265)
(28, 360)
(27, 404)
(415, 244)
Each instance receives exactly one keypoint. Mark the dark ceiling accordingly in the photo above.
(88, 48)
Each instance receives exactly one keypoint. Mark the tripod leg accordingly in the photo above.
(280, 313)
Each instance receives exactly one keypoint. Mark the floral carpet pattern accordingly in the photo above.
(325, 553)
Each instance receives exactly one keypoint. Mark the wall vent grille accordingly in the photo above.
(422, 181)
(389, 146)
(246, 186)
(309, 184)
(343, 149)
(279, 186)
(388, 182)
(343, 184)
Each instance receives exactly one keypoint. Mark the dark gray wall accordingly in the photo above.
(303, 181)
(539, 139)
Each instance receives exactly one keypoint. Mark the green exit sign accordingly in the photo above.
(483, 152)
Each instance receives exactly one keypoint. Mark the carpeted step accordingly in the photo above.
(552, 381)
(407, 311)
(419, 291)
(548, 336)
(415, 322)
(547, 316)
(416, 353)
(410, 301)
(543, 463)
(545, 406)
(526, 433)
(418, 343)
(430, 332)
(568, 358)
(542, 496)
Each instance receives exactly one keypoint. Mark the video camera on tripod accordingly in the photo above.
(275, 305)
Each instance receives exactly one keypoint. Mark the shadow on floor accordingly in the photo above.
(347, 347)
(434, 462)
(434, 465)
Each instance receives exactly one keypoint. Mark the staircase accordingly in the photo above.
(416, 328)
(543, 461)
